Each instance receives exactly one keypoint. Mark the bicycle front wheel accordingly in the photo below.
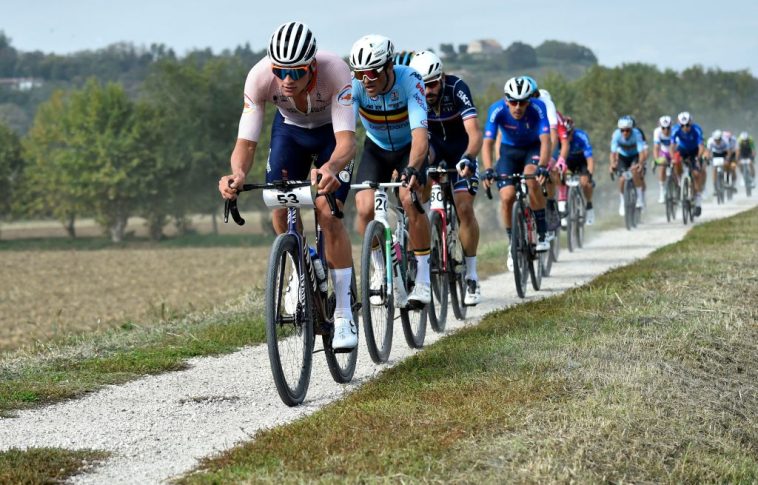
(341, 364)
(377, 306)
(519, 249)
(289, 321)
(456, 268)
(630, 203)
(686, 200)
(437, 276)
(747, 180)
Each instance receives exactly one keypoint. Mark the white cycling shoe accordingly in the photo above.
(291, 295)
(543, 245)
(509, 262)
(377, 279)
(473, 293)
(421, 295)
(661, 197)
(622, 210)
(590, 219)
(345, 334)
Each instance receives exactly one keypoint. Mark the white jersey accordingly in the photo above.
(552, 113)
(720, 147)
(329, 98)
(663, 141)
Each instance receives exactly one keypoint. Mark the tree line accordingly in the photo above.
(101, 151)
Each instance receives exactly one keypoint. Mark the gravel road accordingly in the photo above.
(159, 426)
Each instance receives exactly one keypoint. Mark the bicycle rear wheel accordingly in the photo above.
(519, 247)
(377, 315)
(341, 364)
(412, 319)
(289, 335)
(437, 276)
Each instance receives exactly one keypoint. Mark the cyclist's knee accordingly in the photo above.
(364, 204)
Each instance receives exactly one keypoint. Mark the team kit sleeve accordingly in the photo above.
(641, 144)
(543, 126)
(414, 86)
(343, 112)
(586, 144)
(254, 101)
(490, 127)
(356, 97)
(615, 141)
(699, 133)
(464, 101)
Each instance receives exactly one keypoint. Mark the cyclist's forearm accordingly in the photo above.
(591, 165)
(419, 148)
(242, 156)
(344, 150)
(564, 150)
(474, 137)
(487, 146)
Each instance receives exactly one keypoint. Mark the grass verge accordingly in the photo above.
(647, 374)
(117, 356)
(45, 465)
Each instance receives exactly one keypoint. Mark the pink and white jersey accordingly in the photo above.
(329, 98)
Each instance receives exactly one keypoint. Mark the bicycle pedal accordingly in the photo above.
(414, 305)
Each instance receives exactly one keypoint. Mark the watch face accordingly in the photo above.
(344, 176)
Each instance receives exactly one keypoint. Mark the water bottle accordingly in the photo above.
(319, 269)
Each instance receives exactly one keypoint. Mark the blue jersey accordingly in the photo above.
(687, 141)
(517, 133)
(389, 118)
(455, 105)
(580, 145)
(628, 147)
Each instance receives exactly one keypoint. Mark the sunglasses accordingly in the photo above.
(514, 102)
(368, 74)
(433, 84)
(665, 127)
(294, 72)
(626, 130)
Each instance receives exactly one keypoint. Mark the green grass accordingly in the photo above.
(647, 374)
(54, 373)
(45, 465)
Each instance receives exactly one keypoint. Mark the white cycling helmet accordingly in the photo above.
(744, 135)
(428, 64)
(625, 122)
(717, 135)
(292, 44)
(371, 52)
(518, 89)
(545, 95)
(664, 121)
(684, 118)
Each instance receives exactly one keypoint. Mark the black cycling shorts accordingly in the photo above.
(377, 164)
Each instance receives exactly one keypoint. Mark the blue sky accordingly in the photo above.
(669, 34)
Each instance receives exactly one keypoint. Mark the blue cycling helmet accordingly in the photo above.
(533, 83)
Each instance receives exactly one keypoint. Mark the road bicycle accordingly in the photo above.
(632, 213)
(747, 179)
(383, 286)
(576, 212)
(292, 320)
(719, 182)
(687, 191)
(449, 262)
(671, 186)
(524, 236)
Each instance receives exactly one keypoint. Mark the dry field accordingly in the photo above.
(52, 294)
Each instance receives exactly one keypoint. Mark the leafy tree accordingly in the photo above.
(519, 56)
(564, 51)
(11, 165)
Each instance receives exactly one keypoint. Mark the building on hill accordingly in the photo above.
(20, 83)
(485, 47)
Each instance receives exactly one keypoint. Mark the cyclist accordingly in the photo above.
(391, 103)
(314, 121)
(525, 148)
(629, 150)
(746, 150)
(718, 146)
(731, 159)
(578, 154)
(455, 137)
(662, 153)
(687, 140)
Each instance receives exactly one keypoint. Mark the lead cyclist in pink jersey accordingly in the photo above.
(315, 122)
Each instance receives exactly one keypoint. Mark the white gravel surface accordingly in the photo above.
(159, 426)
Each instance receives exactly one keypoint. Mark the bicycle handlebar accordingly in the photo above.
(390, 185)
(515, 176)
(230, 205)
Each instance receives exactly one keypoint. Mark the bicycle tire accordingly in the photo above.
(341, 364)
(581, 217)
(719, 187)
(290, 343)
(535, 268)
(686, 203)
(570, 221)
(456, 268)
(630, 202)
(413, 319)
(547, 261)
(555, 245)
(377, 319)
(671, 189)
(518, 241)
(748, 179)
(437, 276)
